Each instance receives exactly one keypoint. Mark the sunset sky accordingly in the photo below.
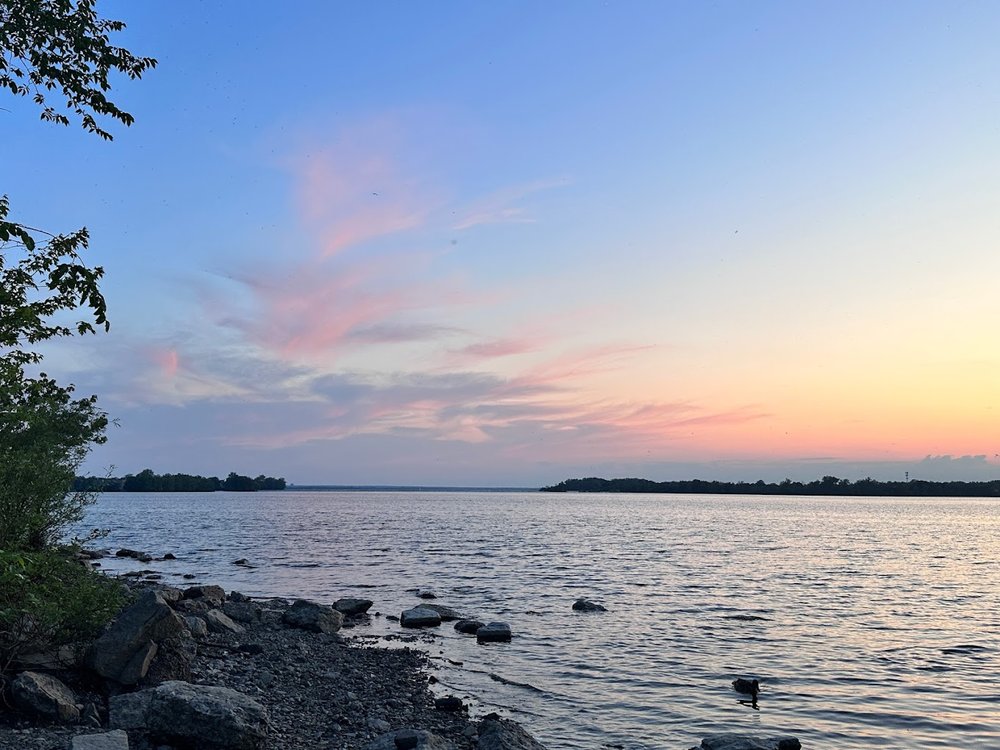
(508, 243)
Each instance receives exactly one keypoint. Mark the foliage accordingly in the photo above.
(48, 599)
(148, 481)
(63, 46)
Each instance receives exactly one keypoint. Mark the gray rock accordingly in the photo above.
(64, 657)
(236, 596)
(311, 616)
(469, 627)
(502, 734)
(746, 742)
(419, 617)
(410, 739)
(585, 605)
(45, 697)
(170, 595)
(449, 703)
(447, 613)
(196, 625)
(426, 594)
(351, 606)
(174, 658)
(242, 611)
(495, 632)
(215, 593)
(199, 715)
(125, 650)
(116, 740)
(219, 622)
(134, 554)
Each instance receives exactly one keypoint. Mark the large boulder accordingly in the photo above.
(311, 616)
(45, 697)
(242, 611)
(502, 734)
(495, 632)
(116, 740)
(469, 627)
(730, 741)
(125, 650)
(219, 622)
(350, 606)
(410, 739)
(215, 594)
(419, 617)
(202, 716)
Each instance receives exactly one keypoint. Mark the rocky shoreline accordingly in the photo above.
(203, 668)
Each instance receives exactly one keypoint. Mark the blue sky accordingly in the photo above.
(505, 244)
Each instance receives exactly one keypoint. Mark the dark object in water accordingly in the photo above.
(749, 687)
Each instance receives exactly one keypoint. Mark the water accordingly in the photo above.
(881, 624)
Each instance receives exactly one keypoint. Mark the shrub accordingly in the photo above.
(48, 599)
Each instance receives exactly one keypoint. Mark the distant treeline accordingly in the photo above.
(148, 481)
(826, 486)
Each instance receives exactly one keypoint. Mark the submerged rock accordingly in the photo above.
(447, 613)
(585, 605)
(469, 627)
(746, 742)
(495, 632)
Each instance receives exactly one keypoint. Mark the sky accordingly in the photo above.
(505, 244)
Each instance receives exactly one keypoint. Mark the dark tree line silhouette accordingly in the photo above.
(148, 481)
(828, 485)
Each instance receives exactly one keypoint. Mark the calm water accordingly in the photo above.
(882, 626)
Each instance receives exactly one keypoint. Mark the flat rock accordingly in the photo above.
(219, 622)
(203, 716)
(125, 650)
(585, 605)
(351, 606)
(419, 617)
(502, 734)
(315, 617)
(495, 632)
(469, 627)
(730, 741)
(44, 696)
(447, 613)
(116, 740)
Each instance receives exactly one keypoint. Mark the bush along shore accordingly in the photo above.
(186, 669)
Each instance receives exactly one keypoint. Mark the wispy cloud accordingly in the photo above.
(502, 207)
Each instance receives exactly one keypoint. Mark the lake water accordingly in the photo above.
(882, 614)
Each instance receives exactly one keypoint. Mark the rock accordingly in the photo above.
(245, 612)
(45, 697)
(170, 556)
(585, 605)
(64, 657)
(116, 740)
(350, 606)
(134, 554)
(236, 596)
(200, 715)
(745, 742)
(447, 613)
(495, 632)
(449, 703)
(469, 627)
(410, 739)
(174, 657)
(311, 616)
(169, 594)
(379, 725)
(502, 734)
(219, 622)
(215, 593)
(426, 594)
(189, 576)
(125, 650)
(419, 617)
(243, 563)
(196, 625)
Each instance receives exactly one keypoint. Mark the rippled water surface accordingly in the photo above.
(880, 615)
